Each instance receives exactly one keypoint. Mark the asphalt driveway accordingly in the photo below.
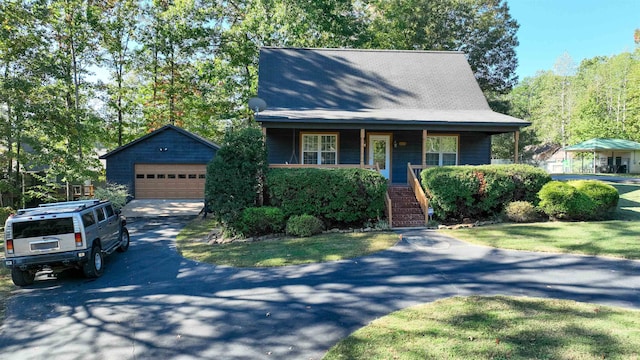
(153, 304)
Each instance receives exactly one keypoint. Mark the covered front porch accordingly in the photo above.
(388, 149)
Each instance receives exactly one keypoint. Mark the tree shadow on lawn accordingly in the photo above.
(493, 328)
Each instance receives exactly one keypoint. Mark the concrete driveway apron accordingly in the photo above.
(153, 304)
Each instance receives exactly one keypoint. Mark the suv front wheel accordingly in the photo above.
(95, 266)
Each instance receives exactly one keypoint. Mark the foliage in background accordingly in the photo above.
(340, 197)
(475, 192)
(118, 194)
(482, 29)
(257, 221)
(578, 200)
(4, 214)
(235, 176)
(304, 225)
(83, 75)
(599, 98)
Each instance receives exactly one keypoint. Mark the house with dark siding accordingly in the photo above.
(168, 163)
(382, 109)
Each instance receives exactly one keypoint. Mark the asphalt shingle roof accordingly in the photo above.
(372, 85)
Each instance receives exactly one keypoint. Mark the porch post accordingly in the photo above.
(424, 149)
(362, 148)
(264, 134)
(516, 136)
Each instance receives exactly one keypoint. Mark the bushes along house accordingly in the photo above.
(339, 197)
(459, 192)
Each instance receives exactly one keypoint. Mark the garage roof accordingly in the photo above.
(156, 132)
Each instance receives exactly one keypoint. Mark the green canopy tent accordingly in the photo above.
(599, 145)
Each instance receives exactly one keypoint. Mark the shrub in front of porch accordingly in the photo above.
(234, 176)
(304, 225)
(339, 197)
(258, 221)
(477, 192)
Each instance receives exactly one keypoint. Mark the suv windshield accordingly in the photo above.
(38, 228)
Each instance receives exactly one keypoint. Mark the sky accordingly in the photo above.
(582, 28)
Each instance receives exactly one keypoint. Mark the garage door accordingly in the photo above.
(170, 181)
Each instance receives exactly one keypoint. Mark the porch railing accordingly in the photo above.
(387, 202)
(413, 182)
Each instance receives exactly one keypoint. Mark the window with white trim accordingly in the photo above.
(320, 149)
(442, 150)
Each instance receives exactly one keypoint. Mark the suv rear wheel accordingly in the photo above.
(95, 266)
(22, 277)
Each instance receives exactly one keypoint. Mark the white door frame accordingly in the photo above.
(385, 169)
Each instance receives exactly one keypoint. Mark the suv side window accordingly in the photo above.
(109, 210)
(100, 213)
(88, 219)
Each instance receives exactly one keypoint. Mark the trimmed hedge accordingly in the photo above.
(339, 197)
(458, 192)
(605, 196)
(578, 200)
(256, 221)
(304, 225)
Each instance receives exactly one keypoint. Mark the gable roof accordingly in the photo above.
(604, 144)
(182, 131)
(300, 84)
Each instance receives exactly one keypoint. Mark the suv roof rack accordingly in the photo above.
(65, 205)
(80, 203)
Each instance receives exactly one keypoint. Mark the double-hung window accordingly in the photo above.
(442, 150)
(320, 149)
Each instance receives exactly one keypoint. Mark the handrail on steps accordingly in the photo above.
(417, 190)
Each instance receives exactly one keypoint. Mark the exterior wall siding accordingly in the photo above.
(474, 148)
(180, 149)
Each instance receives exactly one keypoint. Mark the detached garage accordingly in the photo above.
(169, 163)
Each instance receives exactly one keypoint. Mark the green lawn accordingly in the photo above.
(281, 251)
(497, 328)
(618, 238)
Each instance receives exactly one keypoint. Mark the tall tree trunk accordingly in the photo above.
(120, 115)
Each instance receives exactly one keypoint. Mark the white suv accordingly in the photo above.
(58, 236)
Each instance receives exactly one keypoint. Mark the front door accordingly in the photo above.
(380, 153)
